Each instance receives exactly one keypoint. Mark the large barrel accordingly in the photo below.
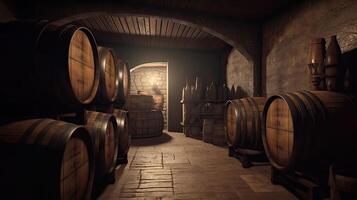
(146, 123)
(139, 103)
(243, 122)
(123, 129)
(307, 128)
(109, 76)
(124, 82)
(45, 159)
(104, 133)
(47, 66)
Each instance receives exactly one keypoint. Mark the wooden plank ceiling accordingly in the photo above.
(150, 31)
(252, 10)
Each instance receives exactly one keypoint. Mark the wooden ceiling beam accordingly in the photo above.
(114, 39)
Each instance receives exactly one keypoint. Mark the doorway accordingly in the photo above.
(152, 79)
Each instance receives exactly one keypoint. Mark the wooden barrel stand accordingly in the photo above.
(343, 183)
(300, 185)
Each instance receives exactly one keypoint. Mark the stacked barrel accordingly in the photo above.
(110, 98)
(51, 146)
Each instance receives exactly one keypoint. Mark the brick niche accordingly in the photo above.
(146, 78)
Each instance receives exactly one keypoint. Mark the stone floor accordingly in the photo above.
(176, 167)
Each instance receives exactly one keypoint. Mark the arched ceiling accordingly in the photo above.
(246, 10)
(237, 22)
(150, 31)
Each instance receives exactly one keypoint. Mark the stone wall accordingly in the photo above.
(286, 40)
(240, 73)
(146, 78)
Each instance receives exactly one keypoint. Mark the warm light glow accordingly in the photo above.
(153, 80)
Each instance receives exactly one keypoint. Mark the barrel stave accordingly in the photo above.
(37, 84)
(243, 123)
(39, 140)
(109, 76)
(123, 129)
(146, 123)
(320, 125)
(104, 133)
(124, 82)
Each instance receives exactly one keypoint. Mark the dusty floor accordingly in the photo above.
(176, 167)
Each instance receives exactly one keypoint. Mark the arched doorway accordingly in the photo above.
(151, 78)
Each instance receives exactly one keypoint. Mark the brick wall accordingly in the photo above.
(240, 73)
(145, 78)
(286, 40)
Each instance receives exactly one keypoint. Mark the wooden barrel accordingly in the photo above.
(146, 123)
(45, 159)
(243, 122)
(139, 103)
(109, 76)
(48, 67)
(309, 128)
(213, 131)
(123, 129)
(124, 82)
(104, 133)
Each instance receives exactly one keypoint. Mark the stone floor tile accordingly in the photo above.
(186, 168)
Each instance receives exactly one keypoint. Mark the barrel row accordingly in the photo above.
(62, 160)
(297, 130)
(57, 68)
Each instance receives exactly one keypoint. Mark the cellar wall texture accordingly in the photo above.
(286, 40)
(240, 73)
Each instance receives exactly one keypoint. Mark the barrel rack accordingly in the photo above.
(197, 115)
(248, 157)
(300, 185)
